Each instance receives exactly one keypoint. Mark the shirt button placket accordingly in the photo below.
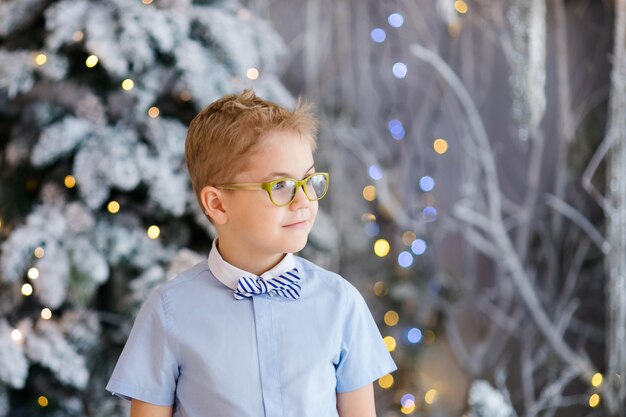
(269, 363)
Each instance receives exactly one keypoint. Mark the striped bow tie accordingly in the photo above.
(285, 285)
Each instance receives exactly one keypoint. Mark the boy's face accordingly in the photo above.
(255, 226)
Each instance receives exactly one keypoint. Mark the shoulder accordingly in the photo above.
(188, 280)
(329, 281)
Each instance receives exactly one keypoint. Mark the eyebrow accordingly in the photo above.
(285, 174)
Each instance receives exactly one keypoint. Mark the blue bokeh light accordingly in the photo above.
(372, 229)
(414, 335)
(395, 20)
(405, 259)
(427, 183)
(399, 70)
(378, 35)
(375, 172)
(407, 400)
(396, 129)
(429, 213)
(418, 246)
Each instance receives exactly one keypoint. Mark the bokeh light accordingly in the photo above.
(33, 273)
(78, 36)
(27, 289)
(372, 229)
(440, 146)
(594, 400)
(128, 84)
(69, 181)
(408, 237)
(91, 61)
(154, 232)
(395, 20)
(381, 248)
(391, 318)
(390, 342)
(16, 335)
(385, 381)
(113, 207)
(375, 172)
(429, 213)
(39, 252)
(380, 289)
(431, 396)
(399, 70)
(369, 193)
(596, 380)
(427, 183)
(461, 6)
(378, 35)
(396, 128)
(46, 313)
(42, 401)
(418, 246)
(414, 335)
(405, 259)
(252, 73)
(154, 112)
(41, 59)
(429, 337)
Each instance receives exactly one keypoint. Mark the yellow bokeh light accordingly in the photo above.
(408, 407)
(429, 337)
(39, 253)
(46, 314)
(40, 59)
(154, 232)
(42, 401)
(78, 36)
(390, 342)
(440, 146)
(596, 380)
(368, 217)
(408, 237)
(16, 335)
(33, 273)
(70, 181)
(128, 84)
(460, 6)
(431, 396)
(385, 381)
(380, 289)
(381, 247)
(113, 207)
(391, 318)
(154, 112)
(27, 289)
(252, 73)
(91, 61)
(594, 400)
(369, 193)
(147, 1)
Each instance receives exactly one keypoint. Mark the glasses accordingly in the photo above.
(282, 191)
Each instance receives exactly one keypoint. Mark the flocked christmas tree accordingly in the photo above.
(95, 204)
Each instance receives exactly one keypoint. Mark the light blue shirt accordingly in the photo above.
(194, 346)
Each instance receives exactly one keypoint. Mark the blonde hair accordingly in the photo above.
(221, 137)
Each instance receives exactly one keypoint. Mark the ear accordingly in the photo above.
(212, 204)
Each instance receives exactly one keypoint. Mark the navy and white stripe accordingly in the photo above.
(286, 285)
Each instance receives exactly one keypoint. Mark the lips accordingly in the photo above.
(300, 223)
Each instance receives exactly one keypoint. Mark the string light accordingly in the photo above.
(390, 342)
(399, 70)
(91, 61)
(40, 59)
(252, 73)
(369, 193)
(391, 318)
(431, 396)
(460, 6)
(594, 400)
(440, 145)
(46, 314)
(405, 259)
(395, 20)
(113, 207)
(386, 381)
(396, 129)
(154, 112)
(128, 84)
(381, 248)
(414, 335)
(427, 183)
(70, 181)
(78, 36)
(429, 213)
(596, 380)
(27, 289)
(418, 246)
(407, 407)
(375, 172)
(39, 252)
(154, 232)
(42, 401)
(33, 273)
(16, 335)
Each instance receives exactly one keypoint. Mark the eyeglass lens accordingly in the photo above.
(284, 191)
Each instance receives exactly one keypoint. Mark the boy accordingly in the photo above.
(254, 331)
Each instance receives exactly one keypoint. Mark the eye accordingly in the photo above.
(283, 185)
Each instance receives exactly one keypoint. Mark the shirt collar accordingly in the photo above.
(229, 275)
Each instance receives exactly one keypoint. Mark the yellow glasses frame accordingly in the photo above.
(268, 186)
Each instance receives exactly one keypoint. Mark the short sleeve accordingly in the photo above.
(364, 356)
(147, 369)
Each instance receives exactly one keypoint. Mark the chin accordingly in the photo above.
(296, 245)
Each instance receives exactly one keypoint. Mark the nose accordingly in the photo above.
(300, 200)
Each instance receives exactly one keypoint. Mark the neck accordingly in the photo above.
(256, 264)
